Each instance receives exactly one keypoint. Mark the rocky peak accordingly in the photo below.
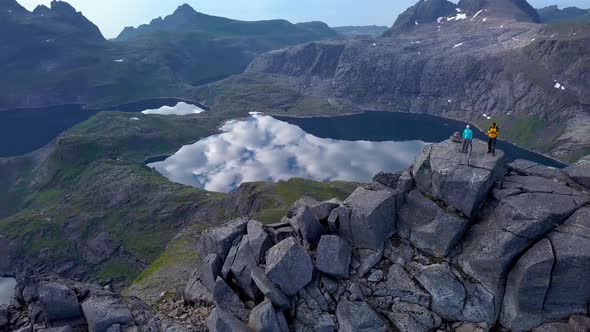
(457, 238)
(185, 10)
(519, 10)
(63, 8)
(425, 11)
(62, 12)
(41, 10)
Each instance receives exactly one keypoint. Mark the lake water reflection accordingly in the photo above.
(7, 286)
(262, 148)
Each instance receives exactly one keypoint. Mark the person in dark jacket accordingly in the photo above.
(467, 139)
(493, 133)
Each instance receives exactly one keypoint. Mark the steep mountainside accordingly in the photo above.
(553, 14)
(475, 64)
(56, 56)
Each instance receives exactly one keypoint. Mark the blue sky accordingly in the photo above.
(112, 16)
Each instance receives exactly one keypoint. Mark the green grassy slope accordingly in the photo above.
(87, 207)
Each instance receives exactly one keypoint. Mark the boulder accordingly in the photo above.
(241, 269)
(368, 258)
(270, 290)
(314, 298)
(441, 171)
(303, 201)
(322, 210)
(409, 313)
(406, 182)
(357, 317)
(58, 302)
(553, 327)
(225, 298)
(580, 173)
(569, 291)
(530, 168)
(333, 220)
(520, 166)
(479, 305)
(446, 292)
(222, 321)
(307, 225)
(526, 287)
(200, 286)
(219, 240)
(259, 240)
(289, 266)
(66, 328)
(428, 227)
(333, 256)
(231, 257)
(375, 276)
(492, 245)
(535, 184)
(388, 179)
(404, 322)
(103, 312)
(371, 218)
(400, 285)
(264, 318)
(326, 323)
(469, 327)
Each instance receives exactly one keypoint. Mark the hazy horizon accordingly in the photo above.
(348, 12)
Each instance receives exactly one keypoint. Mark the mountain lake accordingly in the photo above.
(346, 148)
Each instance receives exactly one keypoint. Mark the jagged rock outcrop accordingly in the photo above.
(458, 180)
(517, 263)
(51, 304)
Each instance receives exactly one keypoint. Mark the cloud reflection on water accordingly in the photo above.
(262, 148)
(6, 290)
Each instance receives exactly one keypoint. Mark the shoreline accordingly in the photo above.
(105, 107)
(365, 111)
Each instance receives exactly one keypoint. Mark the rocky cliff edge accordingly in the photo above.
(458, 242)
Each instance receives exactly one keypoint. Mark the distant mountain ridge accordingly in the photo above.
(552, 14)
(186, 19)
(54, 55)
(365, 30)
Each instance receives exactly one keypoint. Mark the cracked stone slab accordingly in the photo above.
(461, 180)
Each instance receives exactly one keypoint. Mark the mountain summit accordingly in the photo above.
(431, 11)
(422, 12)
(519, 10)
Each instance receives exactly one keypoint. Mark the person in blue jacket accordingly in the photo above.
(467, 139)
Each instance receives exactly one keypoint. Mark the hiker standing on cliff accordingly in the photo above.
(493, 133)
(467, 139)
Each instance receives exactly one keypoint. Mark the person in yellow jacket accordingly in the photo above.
(493, 133)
